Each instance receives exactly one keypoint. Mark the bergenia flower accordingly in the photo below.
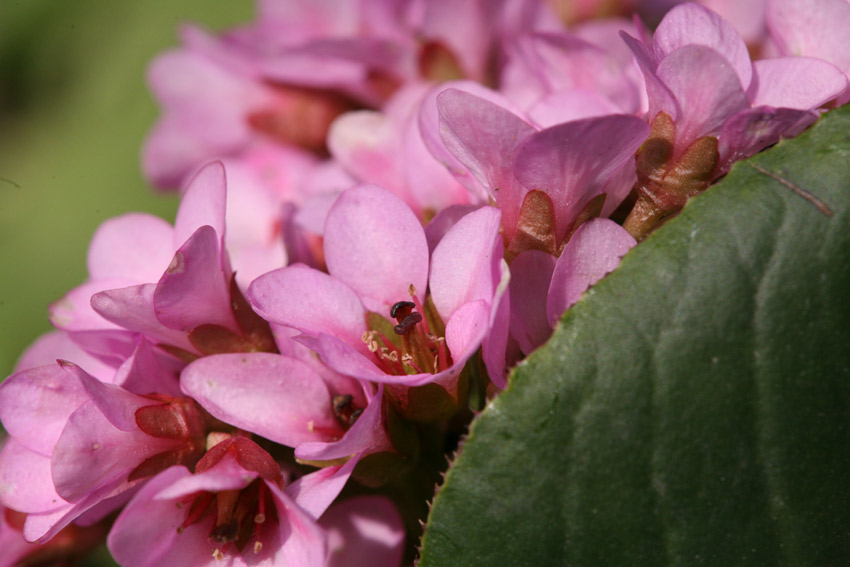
(709, 105)
(378, 262)
(235, 508)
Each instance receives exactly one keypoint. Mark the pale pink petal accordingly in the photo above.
(430, 129)
(310, 301)
(484, 137)
(135, 246)
(26, 484)
(531, 274)
(659, 97)
(375, 244)
(574, 162)
(692, 24)
(465, 263)
(58, 345)
(803, 83)
(36, 403)
(203, 203)
(74, 312)
(444, 221)
(706, 88)
(594, 250)
(274, 396)
(364, 528)
(195, 289)
(316, 491)
(465, 330)
(814, 28)
(573, 104)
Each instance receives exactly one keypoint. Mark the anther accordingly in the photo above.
(401, 309)
(406, 324)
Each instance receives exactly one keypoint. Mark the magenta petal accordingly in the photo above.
(692, 24)
(310, 301)
(366, 435)
(35, 405)
(274, 396)
(375, 244)
(594, 250)
(465, 264)
(484, 137)
(316, 491)
(531, 274)
(203, 203)
(576, 161)
(803, 83)
(706, 88)
(444, 221)
(26, 484)
(364, 528)
(134, 539)
(195, 289)
(145, 373)
(134, 246)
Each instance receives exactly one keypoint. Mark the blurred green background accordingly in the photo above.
(74, 109)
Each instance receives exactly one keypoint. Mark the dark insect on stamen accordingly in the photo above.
(354, 415)
(401, 309)
(407, 323)
(344, 410)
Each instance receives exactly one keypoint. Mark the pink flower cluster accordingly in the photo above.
(385, 206)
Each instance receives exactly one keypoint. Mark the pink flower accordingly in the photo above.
(378, 259)
(236, 506)
(365, 528)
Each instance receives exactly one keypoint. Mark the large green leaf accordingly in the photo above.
(694, 407)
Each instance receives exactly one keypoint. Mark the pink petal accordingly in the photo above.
(116, 404)
(301, 541)
(750, 131)
(706, 88)
(531, 274)
(576, 161)
(134, 246)
(133, 309)
(465, 330)
(134, 540)
(366, 435)
(316, 491)
(573, 104)
(594, 250)
(465, 263)
(692, 24)
(26, 484)
(364, 528)
(375, 244)
(484, 137)
(310, 301)
(195, 289)
(58, 345)
(274, 396)
(145, 373)
(814, 28)
(93, 457)
(36, 403)
(74, 312)
(343, 358)
(802, 83)
(444, 221)
(203, 203)
(494, 346)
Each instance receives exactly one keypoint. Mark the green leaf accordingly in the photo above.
(694, 407)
